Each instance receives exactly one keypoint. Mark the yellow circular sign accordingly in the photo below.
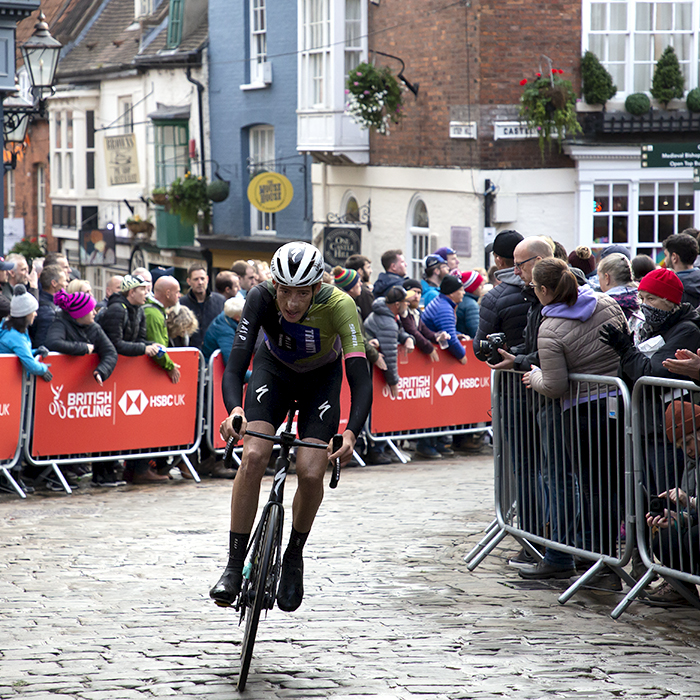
(270, 192)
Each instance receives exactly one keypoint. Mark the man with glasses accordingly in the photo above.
(522, 439)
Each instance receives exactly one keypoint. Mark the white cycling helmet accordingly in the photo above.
(297, 264)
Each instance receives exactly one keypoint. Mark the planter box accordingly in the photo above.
(171, 232)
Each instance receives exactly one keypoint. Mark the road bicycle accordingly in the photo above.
(263, 560)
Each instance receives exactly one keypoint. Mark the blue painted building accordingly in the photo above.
(253, 119)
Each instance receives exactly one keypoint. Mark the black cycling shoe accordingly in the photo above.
(227, 588)
(291, 589)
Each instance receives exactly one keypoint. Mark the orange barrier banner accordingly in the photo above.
(219, 413)
(432, 394)
(11, 378)
(138, 408)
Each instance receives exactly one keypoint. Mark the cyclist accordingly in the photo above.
(308, 325)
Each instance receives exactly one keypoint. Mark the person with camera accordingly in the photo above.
(504, 308)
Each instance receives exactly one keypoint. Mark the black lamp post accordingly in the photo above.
(40, 53)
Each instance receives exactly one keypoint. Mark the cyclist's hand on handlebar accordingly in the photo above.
(227, 430)
(345, 452)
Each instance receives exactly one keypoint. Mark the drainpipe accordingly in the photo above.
(200, 90)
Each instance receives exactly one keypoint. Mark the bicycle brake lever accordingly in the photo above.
(336, 445)
(236, 424)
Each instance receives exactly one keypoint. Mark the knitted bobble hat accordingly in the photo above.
(76, 305)
(22, 303)
(471, 281)
(344, 278)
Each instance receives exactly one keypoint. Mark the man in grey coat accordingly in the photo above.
(383, 325)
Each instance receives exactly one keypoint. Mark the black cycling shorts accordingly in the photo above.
(273, 386)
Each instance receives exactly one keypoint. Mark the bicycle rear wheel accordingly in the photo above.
(262, 580)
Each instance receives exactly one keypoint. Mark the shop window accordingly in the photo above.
(611, 214)
(665, 208)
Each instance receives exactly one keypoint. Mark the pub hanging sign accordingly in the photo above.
(340, 242)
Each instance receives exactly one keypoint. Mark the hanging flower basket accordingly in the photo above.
(188, 198)
(548, 105)
(374, 97)
(160, 196)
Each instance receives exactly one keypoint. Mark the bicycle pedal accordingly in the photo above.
(221, 604)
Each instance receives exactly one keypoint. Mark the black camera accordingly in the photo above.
(489, 347)
(658, 506)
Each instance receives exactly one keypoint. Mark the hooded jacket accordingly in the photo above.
(691, 286)
(382, 325)
(125, 325)
(69, 337)
(386, 281)
(157, 330)
(569, 341)
(219, 336)
(16, 343)
(503, 310)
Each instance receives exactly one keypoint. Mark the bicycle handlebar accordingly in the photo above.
(337, 443)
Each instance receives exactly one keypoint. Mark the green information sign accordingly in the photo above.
(671, 155)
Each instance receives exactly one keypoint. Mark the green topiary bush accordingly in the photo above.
(598, 85)
(668, 80)
(692, 100)
(637, 103)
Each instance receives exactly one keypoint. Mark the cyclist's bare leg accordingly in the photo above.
(311, 469)
(246, 485)
(244, 505)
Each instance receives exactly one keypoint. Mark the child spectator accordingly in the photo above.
(14, 335)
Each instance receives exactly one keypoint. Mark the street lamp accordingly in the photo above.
(40, 53)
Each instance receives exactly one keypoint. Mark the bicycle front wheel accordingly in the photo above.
(261, 577)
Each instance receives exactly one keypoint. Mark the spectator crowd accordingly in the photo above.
(539, 311)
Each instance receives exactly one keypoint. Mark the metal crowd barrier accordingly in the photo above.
(12, 410)
(563, 473)
(665, 422)
(137, 414)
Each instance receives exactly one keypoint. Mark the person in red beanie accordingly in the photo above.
(468, 308)
(669, 326)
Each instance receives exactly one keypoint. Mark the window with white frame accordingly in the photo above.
(126, 114)
(172, 150)
(10, 193)
(353, 34)
(63, 151)
(629, 36)
(261, 158)
(315, 54)
(40, 200)
(258, 40)
(641, 215)
(665, 208)
(419, 236)
(143, 7)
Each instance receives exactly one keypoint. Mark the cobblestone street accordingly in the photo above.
(104, 594)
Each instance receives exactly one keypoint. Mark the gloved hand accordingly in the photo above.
(619, 339)
(47, 376)
(41, 350)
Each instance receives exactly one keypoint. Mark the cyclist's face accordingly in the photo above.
(294, 302)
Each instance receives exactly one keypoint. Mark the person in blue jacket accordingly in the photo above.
(14, 335)
(439, 315)
(222, 330)
(468, 308)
